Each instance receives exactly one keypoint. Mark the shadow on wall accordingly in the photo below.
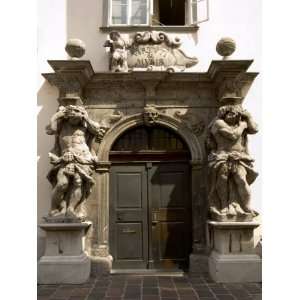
(47, 104)
(83, 21)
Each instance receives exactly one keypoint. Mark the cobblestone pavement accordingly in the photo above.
(134, 287)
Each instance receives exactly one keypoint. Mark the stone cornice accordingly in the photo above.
(76, 75)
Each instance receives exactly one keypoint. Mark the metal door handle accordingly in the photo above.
(128, 231)
(154, 218)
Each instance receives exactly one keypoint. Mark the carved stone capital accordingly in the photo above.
(103, 166)
(70, 76)
(196, 164)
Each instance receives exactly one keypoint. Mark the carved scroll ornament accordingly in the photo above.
(147, 51)
(192, 121)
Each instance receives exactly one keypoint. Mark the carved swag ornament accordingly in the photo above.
(147, 51)
(230, 165)
(73, 160)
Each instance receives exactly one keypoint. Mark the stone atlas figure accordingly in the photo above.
(230, 166)
(72, 158)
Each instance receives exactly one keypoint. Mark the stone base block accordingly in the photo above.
(101, 266)
(198, 263)
(64, 269)
(64, 260)
(234, 267)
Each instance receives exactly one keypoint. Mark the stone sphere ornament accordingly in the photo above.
(75, 48)
(225, 47)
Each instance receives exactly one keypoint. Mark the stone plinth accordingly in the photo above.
(64, 260)
(233, 257)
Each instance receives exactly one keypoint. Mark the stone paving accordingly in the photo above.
(135, 287)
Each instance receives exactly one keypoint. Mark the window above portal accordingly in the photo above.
(154, 13)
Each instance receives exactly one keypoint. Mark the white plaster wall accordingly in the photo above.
(52, 35)
(59, 20)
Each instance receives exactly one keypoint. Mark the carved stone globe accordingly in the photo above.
(225, 47)
(75, 48)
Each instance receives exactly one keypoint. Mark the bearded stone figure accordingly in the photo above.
(230, 166)
(73, 160)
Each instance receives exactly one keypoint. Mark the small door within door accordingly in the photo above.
(150, 216)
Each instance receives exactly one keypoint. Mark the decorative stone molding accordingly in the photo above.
(148, 51)
(192, 121)
(196, 164)
(103, 166)
(109, 120)
(138, 119)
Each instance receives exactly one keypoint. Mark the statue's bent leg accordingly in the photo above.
(222, 186)
(243, 188)
(59, 191)
(76, 193)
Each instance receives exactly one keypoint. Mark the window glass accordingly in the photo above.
(138, 12)
(149, 138)
(194, 11)
(119, 11)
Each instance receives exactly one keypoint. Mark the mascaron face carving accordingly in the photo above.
(150, 115)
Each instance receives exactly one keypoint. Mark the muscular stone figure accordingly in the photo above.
(118, 52)
(72, 158)
(230, 165)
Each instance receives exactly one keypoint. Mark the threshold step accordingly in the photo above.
(147, 272)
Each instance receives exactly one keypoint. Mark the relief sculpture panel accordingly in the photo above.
(151, 51)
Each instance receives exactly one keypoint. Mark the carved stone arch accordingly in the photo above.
(164, 120)
(198, 198)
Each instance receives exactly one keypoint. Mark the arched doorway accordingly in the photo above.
(150, 215)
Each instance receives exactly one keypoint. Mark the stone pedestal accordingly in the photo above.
(233, 257)
(64, 260)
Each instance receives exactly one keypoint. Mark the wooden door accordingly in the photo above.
(150, 216)
(128, 217)
(170, 215)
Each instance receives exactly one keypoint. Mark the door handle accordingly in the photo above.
(154, 218)
(128, 231)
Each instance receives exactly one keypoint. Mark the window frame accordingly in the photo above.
(129, 14)
(190, 23)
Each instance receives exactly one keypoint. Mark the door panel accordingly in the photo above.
(171, 215)
(129, 188)
(129, 241)
(128, 217)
